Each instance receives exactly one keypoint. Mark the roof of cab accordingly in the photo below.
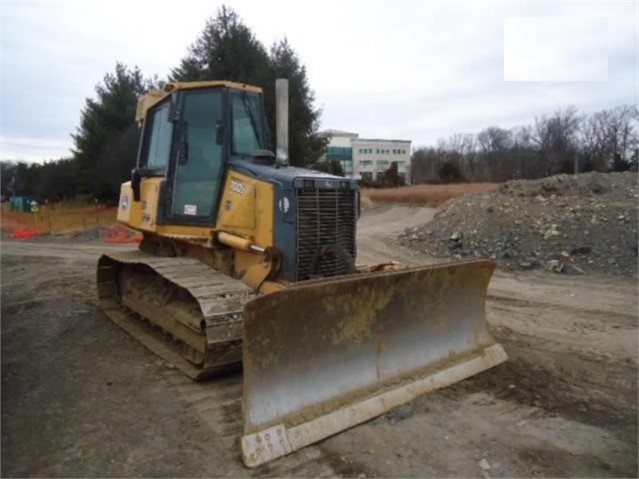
(153, 97)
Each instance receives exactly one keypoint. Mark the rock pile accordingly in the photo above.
(572, 224)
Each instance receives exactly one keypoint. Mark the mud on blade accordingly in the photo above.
(324, 356)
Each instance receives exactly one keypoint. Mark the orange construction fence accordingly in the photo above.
(22, 225)
(25, 232)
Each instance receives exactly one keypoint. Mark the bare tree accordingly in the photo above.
(494, 139)
(610, 139)
(565, 141)
(626, 137)
(494, 149)
(525, 157)
(426, 163)
(556, 138)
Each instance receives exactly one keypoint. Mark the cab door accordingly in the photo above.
(198, 168)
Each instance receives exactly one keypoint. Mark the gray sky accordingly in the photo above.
(404, 70)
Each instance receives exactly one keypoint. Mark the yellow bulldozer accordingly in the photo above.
(248, 263)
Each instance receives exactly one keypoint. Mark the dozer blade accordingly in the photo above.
(322, 356)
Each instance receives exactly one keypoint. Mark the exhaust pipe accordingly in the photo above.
(281, 121)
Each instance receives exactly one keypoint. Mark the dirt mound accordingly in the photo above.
(569, 224)
(571, 185)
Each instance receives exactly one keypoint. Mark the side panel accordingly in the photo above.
(143, 215)
(246, 208)
(285, 222)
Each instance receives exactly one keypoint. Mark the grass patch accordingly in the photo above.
(426, 195)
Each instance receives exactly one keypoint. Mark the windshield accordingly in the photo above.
(247, 136)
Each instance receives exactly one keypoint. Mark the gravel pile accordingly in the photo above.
(571, 224)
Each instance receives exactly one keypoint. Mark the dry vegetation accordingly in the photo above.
(425, 195)
(60, 217)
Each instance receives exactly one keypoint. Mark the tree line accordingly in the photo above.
(106, 140)
(563, 142)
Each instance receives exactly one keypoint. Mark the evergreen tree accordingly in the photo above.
(57, 180)
(305, 146)
(333, 167)
(451, 173)
(102, 120)
(227, 50)
(115, 162)
(391, 177)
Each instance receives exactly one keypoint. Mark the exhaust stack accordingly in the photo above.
(281, 121)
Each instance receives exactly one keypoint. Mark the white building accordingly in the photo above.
(367, 158)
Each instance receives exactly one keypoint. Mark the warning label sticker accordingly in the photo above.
(190, 210)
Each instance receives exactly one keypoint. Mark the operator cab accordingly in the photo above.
(188, 136)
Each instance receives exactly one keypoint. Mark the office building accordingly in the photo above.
(367, 158)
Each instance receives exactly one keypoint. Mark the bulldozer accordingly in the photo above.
(248, 263)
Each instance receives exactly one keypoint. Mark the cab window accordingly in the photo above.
(158, 145)
(246, 123)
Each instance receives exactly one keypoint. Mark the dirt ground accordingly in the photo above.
(82, 399)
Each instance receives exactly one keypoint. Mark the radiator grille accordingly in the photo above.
(325, 231)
